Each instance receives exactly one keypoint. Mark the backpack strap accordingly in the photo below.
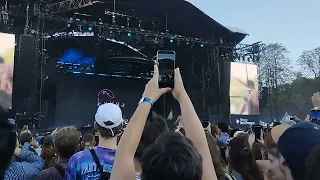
(61, 170)
(97, 161)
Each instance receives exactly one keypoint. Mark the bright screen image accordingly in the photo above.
(7, 48)
(244, 96)
(166, 60)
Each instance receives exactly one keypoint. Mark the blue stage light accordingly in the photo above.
(68, 25)
(188, 43)
(202, 45)
(171, 40)
(156, 38)
(90, 28)
(129, 34)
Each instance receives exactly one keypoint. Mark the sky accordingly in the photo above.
(293, 23)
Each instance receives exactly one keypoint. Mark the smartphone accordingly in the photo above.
(166, 61)
(257, 131)
(315, 114)
(205, 124)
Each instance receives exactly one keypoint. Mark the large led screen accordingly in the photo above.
(7, 47)
(244, 96)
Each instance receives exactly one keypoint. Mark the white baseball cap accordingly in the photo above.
(109, 112)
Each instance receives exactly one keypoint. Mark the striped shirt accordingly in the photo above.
(26, 166)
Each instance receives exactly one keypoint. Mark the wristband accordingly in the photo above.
(145, 99)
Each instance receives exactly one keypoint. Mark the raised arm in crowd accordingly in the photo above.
(171, 156)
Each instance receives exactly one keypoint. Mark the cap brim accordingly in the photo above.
(277, 132)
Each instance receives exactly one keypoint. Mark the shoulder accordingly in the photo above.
(45, 174)
(15, 171)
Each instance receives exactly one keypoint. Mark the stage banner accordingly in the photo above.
(242, 121)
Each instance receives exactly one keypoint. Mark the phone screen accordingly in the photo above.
(315, 114)
(166, 66)
(257, 131)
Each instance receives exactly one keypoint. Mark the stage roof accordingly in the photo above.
(183, 18)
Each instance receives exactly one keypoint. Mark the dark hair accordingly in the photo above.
(49, 156)
(313, 165)
(233, 131)
(223, 127)
(8, 141)
(171, 157)
(88, 138)
(241, 159)
(109, 133)
(215, 155)
(155, 126)
(25, 137)
(66, 141)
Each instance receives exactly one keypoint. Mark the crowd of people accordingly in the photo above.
(147, 149)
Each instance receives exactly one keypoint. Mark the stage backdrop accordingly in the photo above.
(7, 48)
(79, 95)
(244, 96)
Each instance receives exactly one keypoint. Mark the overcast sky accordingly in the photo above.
(294, 23)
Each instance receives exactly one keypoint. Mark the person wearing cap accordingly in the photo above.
(295, 143)
(109, 124)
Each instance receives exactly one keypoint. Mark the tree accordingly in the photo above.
(274, 70)
(310, 61)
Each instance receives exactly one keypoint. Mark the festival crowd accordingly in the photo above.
(146, 149)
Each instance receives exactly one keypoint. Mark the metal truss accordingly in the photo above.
(67, 5)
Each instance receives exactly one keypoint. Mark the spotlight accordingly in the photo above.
(188, 43)
(90, 28)
(129, 34)
(171, 40)
(156, 38)
(202, 45)
(68, 25)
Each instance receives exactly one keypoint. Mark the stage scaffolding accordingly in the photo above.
(214, 85)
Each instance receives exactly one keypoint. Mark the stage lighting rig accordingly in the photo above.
(67, 5)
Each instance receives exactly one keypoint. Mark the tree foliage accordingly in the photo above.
(310, 61)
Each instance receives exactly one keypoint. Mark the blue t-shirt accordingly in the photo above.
(82, 165)
(224, 138)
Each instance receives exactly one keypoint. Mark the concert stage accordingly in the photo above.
(84, 48)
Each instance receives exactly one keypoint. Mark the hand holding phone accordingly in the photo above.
(257, 129)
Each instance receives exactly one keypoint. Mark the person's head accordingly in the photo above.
(154, 127)
(232, 131)
(250, 84)
(273, 158)
(108, 121)
(215, 155)
(66, 142)
(8, 143)
(241, 160)
(172, 156)
(48, 142)
(214, 131)
(25, 138)
(224, 128)
(88, 140)
(295, 143)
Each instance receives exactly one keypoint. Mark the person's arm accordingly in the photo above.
(193, 127)
(31, 163)
(131, 137)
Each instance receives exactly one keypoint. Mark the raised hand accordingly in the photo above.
(152, 90)
(178, 90)
(316, 100)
